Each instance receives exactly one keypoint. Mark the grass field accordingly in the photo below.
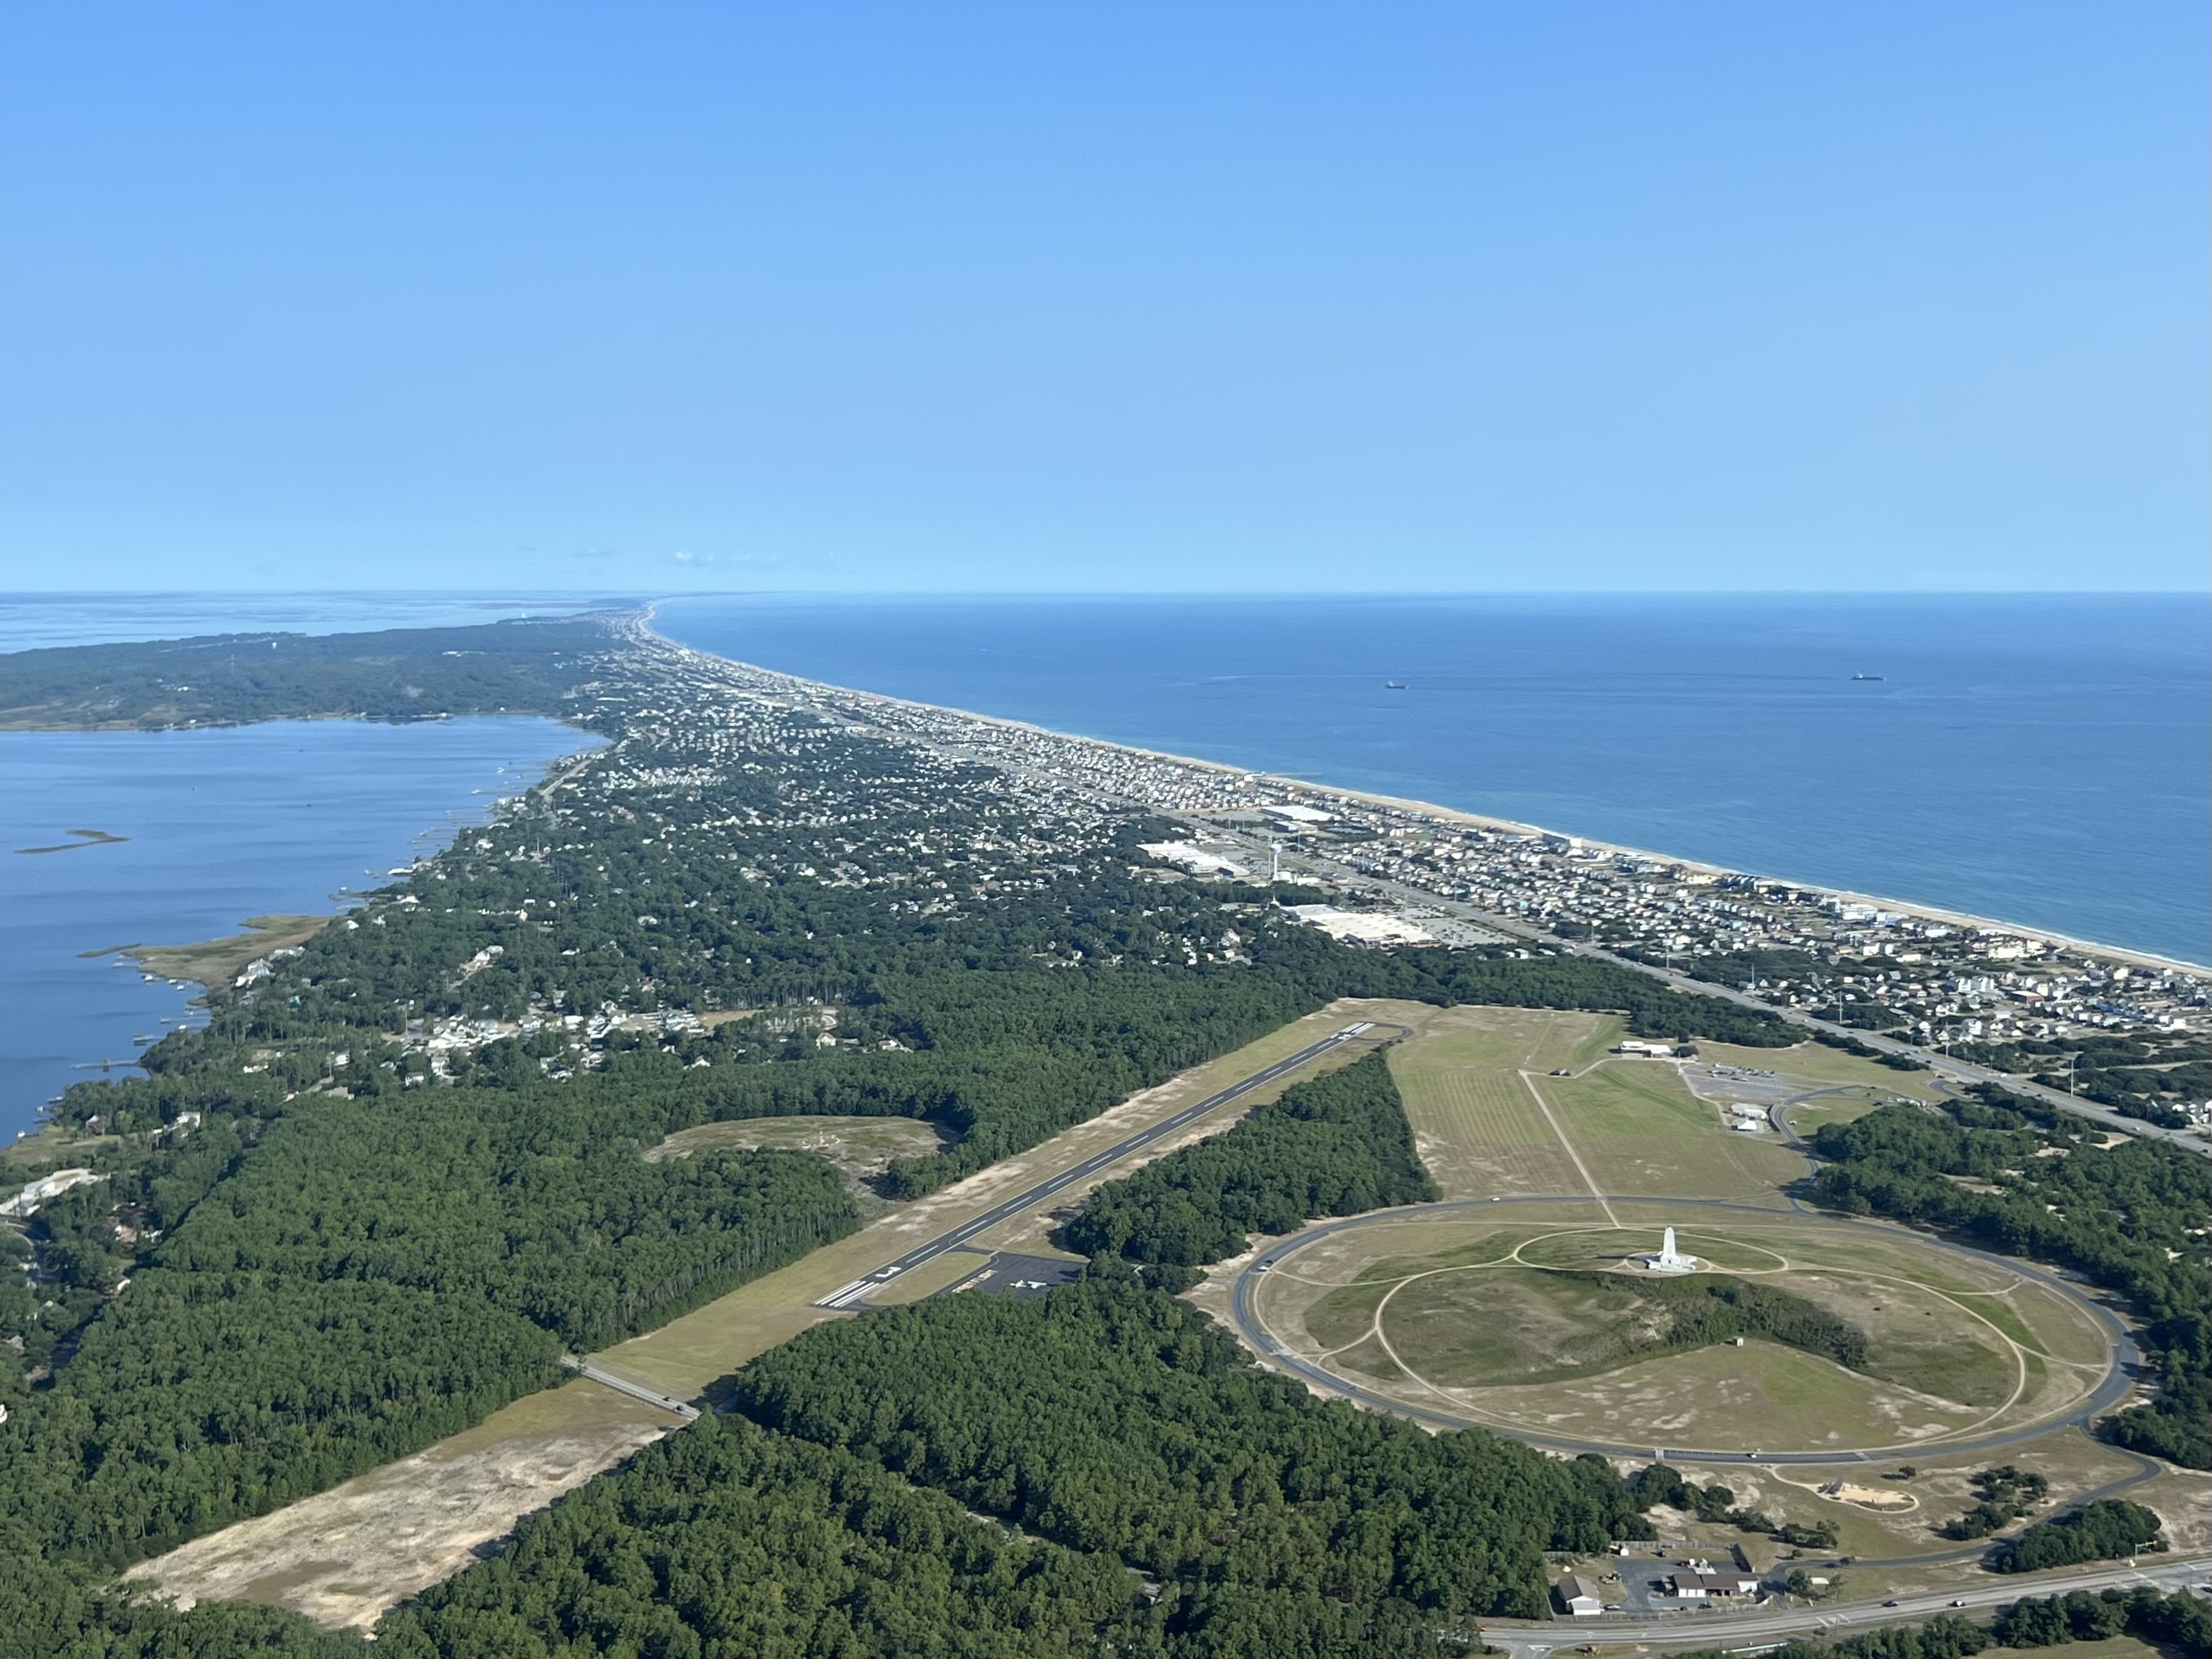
(1840, 1106)
(1954, 1345)
(50, 1146)
(1478, 1128)
(859, 1146)
(1759, 1397)
(1639, 1130)
(1487, 1317)
(1490, 1119)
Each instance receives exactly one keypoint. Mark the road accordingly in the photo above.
(1957, 1070)
(2118, 1380)
(852, 1295)
(1750, 1628)
(635, 1390)
(1258, 849)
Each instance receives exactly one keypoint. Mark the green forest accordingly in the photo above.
(2105, 1531)
(1712, 1307)
(401, 1171)
(1111, 1418)
(232, 680)
(1336, 1145)
(2124, 1217)
(1136, 1487)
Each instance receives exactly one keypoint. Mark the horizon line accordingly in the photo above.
(643, 594)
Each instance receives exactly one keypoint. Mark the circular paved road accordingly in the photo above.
(2119, 1378)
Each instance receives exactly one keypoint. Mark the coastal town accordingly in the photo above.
(760, 915)
(2105, 1026)
(975, 809)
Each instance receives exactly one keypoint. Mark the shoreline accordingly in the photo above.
(1457, 814)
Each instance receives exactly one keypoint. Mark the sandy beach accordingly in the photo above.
(1309, 790)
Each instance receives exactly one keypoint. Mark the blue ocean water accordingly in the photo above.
(2043, 759)
(219, 826)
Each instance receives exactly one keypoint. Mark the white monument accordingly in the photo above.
(1670, 1260)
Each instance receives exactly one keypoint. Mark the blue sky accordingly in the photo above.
(1140, 297)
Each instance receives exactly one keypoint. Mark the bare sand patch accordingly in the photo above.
(345, 1556)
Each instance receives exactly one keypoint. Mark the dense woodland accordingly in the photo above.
(2126, 1217)
(1336, 1145)
(400, 1171)
(2106, 1531)
(1114, 1418)
(234, 679)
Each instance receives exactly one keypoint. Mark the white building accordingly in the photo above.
(1191, 856)
(53, 1186)
(1580, 1597)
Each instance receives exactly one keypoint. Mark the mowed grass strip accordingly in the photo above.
(1477, 1128)
(1640, 1131)
(1481, 1135)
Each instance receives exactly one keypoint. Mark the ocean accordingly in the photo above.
(2047, 760)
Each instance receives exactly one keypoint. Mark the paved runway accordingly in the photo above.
(855, 1294)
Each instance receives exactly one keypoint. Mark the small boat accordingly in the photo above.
(1394, 685)
(1866, 677)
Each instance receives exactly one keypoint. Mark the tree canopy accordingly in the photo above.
(1336, 1145)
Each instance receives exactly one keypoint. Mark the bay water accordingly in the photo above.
(213, 826)
(2045, 760)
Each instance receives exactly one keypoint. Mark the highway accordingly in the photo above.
(1258, 847)
(1748, 1628)
(855, 1294)
(1956, 1071)
(2118, 1381)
